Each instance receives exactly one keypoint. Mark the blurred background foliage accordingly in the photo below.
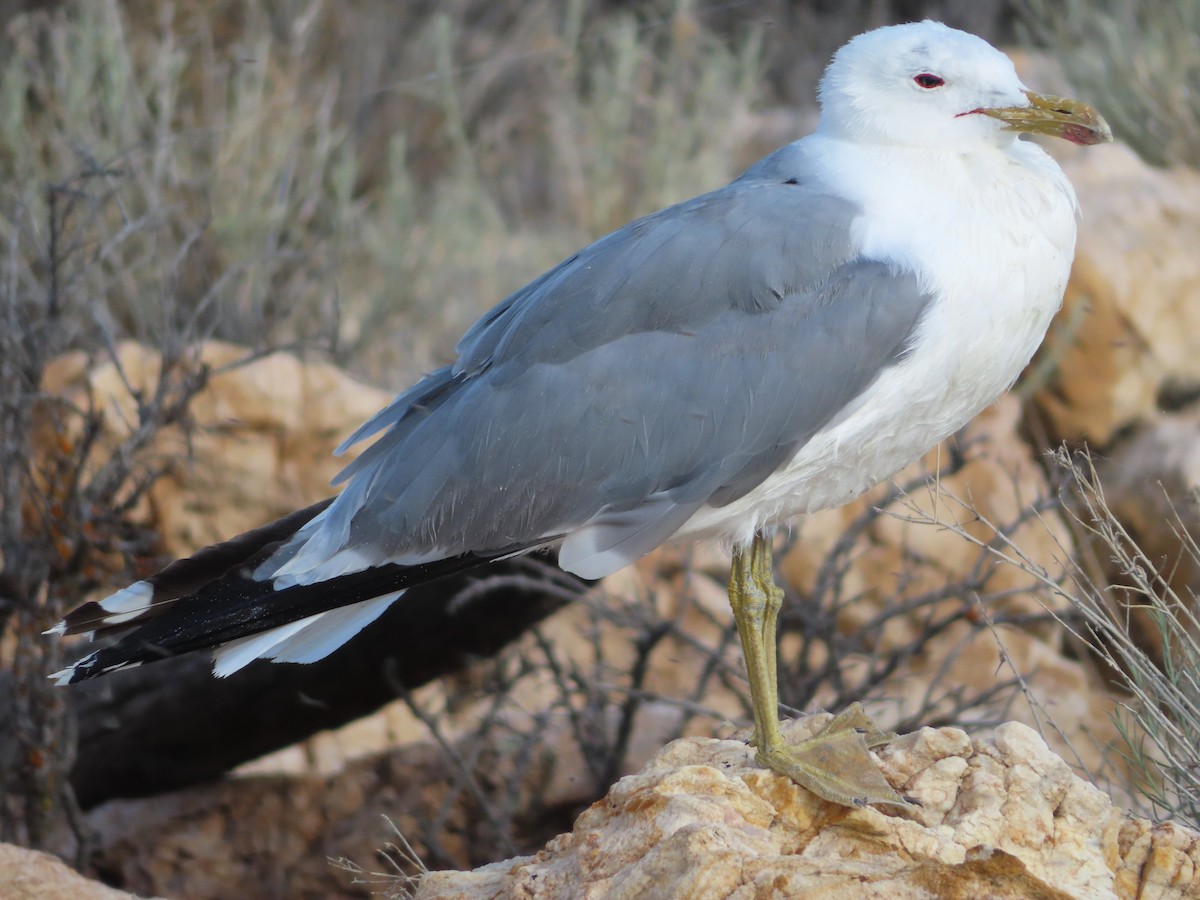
(1138, 60)
(367, 177)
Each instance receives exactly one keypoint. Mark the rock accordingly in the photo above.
(30, 875)
(1129, 331)
(1001, 816)
(1157, 861)
(260, 442)
(1151, 481)
(275, 836)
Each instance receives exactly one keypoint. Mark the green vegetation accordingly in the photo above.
(1146, 634)
(243, 179)
(1137, 60)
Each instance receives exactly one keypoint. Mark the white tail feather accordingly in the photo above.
(229, 658)
(337, 627)
(303, 641)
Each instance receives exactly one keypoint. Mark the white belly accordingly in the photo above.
(999, 264)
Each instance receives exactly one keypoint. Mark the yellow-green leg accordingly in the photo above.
(835, 763)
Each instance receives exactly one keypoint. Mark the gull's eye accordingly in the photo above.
(927, 80)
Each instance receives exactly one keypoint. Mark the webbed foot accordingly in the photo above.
(836, 762)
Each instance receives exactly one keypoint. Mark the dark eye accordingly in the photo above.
(926, 80)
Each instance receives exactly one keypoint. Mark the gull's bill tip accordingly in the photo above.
(1061, 117)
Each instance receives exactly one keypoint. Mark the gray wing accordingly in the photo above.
(675, 363)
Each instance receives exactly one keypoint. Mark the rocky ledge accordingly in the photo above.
(1001, 816)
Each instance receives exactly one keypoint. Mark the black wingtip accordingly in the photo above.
(237, 606)
(151, 597)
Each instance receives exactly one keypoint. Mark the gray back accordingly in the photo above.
(676, 362)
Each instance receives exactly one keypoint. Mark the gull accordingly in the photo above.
(775, 347)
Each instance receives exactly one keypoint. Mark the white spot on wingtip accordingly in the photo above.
(131, 600)
(60, 628)
(118, 618)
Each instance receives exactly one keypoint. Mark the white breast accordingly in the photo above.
(993, 234)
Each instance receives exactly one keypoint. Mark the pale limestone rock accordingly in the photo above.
(30, 875)
(1001, 816)
(1156, 862)
(275, 836)
(261, 444)
(1130, 324)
